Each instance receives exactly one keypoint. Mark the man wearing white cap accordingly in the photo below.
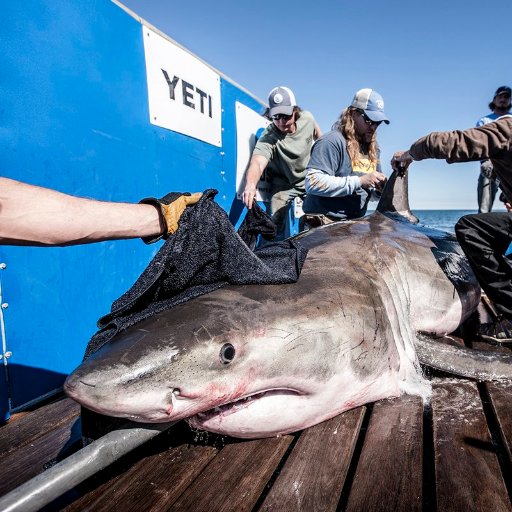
(344, 167)
(283, 150)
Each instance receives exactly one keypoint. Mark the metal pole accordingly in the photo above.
(55, 481)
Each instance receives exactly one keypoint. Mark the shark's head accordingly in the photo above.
(218, 383)
(233, 370)
(210, 365)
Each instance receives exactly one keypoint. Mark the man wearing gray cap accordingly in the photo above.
(283, 150)
(487, 181)
(344, 167)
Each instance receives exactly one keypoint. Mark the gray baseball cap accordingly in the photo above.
(281, 100)
(372, 103)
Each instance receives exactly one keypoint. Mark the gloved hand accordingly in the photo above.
(487, 169)
(171, 207)
(506, 202)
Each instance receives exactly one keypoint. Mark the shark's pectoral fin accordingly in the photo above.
(463, 361)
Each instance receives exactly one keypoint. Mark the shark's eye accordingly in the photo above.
(227, 353)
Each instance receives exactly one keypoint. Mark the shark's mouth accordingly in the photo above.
(238, 405)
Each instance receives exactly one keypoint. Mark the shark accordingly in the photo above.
(373, 299)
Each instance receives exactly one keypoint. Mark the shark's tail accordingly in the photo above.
(395, 197)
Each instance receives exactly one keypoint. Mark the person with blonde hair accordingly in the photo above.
(344, 167)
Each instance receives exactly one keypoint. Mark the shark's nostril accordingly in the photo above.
(87, 384)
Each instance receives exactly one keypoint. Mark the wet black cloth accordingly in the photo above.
(257, 222)
(484, 238)
(204, 254)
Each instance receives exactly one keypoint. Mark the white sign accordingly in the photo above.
(249, 125)
(183, 92)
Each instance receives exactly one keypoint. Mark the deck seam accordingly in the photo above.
(358, 448)
(277, 471)
(497, 437)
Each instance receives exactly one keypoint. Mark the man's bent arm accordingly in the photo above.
(465, 145)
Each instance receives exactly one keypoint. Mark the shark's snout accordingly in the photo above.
(126, 394)
(74, 383)
(83, 388)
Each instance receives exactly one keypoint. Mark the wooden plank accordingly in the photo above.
(500, 394)
(314, 473)
(29, 460)
(501, 401)
(468, 476)
(153, 483)
(389, 472)
(235, 479)
(29, 427)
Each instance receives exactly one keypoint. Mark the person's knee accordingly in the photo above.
(279, 217)
(280, 199)
(462, 224)
(464, 227)
(471, 221)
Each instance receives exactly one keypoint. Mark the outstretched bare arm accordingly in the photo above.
(31, 215)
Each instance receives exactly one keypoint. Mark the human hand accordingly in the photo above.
(401, 161)
(506, 202)
(380, 186)
(170, 208)
(249, 195)
(375, 180)
(486, 168)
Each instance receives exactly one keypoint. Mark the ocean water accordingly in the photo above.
(443, 220)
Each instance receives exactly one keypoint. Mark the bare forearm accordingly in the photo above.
(252, 176)
(254, 173)
(32, 215)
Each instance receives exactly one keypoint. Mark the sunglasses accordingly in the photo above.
(367, 120)
(278, 117)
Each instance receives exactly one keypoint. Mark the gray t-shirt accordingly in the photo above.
(333, 186)
(288, 154)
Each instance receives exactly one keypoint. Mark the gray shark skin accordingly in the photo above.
(259, 361)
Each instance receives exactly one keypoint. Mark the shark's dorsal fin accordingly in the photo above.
(395, 197)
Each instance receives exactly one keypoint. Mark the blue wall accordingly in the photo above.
(74, 117)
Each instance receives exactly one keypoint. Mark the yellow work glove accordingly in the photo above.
(171, 211)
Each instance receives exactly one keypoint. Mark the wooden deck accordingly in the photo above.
(394, 455)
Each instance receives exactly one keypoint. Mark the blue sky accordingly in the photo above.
(437, 65)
